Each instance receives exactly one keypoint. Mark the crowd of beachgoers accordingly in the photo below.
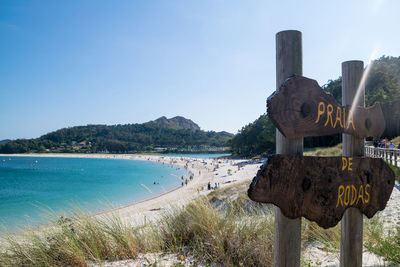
(385, 143)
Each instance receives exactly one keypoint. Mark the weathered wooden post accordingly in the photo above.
(392, 156)
(321, 189)
(287, 231)
(351, 242)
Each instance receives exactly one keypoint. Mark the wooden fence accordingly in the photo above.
(391, 155)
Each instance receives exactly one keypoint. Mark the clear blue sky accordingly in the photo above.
(68, 63)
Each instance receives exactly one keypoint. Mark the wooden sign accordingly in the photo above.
(301, 108)
(322, 188)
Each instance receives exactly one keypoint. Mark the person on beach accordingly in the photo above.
(209, 186)
(186, 181)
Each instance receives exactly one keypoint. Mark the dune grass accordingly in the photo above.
(225, 227)
(72, 242)
(325, 151)
(235, 238)
(230, 235)
(381, 242)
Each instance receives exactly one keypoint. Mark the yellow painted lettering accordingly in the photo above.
(350, 163)
(367, 193)
(360, 194)
(353, 194)
(350, 121)
(347, 195)
(338, 117)
(340, 195)
(344, 163)
(321, 110)
(329, 118)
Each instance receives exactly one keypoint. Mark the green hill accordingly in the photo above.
(163, 135)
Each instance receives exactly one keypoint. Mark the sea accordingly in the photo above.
(33, 188)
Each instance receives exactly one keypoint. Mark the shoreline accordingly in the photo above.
(100, 156)
(140, 211)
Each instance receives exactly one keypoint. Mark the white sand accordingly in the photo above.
(204, 171)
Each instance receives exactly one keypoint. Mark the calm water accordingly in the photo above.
(27, 183)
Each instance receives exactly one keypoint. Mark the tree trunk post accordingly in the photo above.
(287, 231)
(351, 242)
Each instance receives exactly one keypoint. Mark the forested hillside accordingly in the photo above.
(255, 138)
(162, 135)
(383, 85)
(383, 82)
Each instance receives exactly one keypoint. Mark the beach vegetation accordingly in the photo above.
(324, 151)
(71, 242)
(225, 227)
(382, 242)
(396, 171)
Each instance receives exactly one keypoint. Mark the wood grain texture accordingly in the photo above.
(289, 61)
(310, 186)
(296, 111)
(352, 224)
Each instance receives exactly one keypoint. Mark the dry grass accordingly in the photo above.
(380, 242)
(234, 238)
(225, 227)
(310, 231)
(325, 151)
(72, 242)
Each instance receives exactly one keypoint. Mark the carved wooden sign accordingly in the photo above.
(301, 108)
(322, 188)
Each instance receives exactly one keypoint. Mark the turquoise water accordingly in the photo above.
(31, 184)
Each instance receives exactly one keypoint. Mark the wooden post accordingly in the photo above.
(351, 242)
(287, 231)
(391, 156)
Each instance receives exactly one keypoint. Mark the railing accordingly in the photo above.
(391, 155)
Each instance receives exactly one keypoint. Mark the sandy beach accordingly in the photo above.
(220, 172)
